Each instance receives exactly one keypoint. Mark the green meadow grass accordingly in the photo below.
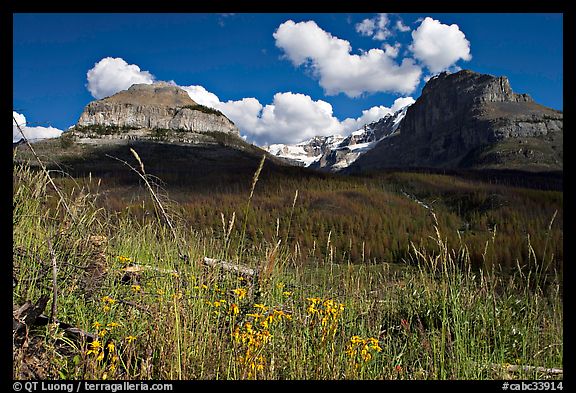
(432, 316)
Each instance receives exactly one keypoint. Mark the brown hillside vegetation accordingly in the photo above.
(396, 275)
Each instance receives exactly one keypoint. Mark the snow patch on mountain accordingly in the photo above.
(336, 152)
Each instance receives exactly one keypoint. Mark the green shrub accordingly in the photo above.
(67, 139)
(101, 129)
(203, 109)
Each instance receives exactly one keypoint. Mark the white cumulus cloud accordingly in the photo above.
(201, 96)
(245, 113)
(31, 133)
(291, 117)
(392, 50)
(111, 75)
(374, 114)
(439, 46)
(400, 26)
(376, 27)
(338, 70)
(366, 27)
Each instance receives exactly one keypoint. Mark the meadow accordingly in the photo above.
(400, 275)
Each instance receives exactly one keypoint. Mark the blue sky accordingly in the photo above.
(279, 77)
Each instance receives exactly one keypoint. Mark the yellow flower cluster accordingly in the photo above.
(251, 339)
(108, 299)
(326, 314)
(108, 302)
(240, 293)
(123, 259)
(96, 349)
(218, 305)
(99, 351)
(361, 350)
(252, 336)
(267, 319)
(106, 351)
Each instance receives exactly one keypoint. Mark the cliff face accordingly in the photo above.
(460, 116)
(155, 106)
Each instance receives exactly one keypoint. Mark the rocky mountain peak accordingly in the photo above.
(463, 118)
(155, 94)
(157, 106)
(461, 90)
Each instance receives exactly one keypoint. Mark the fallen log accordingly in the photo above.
(140, 268)
(32, 315)
(73, 332)
(514, 368)
(231, 267)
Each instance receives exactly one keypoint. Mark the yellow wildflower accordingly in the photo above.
(286, 293)
(356, 340)
(234, 309)
(236, 334)
(112, 325)
(96, 325)
(281, 314)
(239, 292)
(361, 350)
(95, 347)
(108, 299)
(366, 356)
(261, 307)
(110, 346)
(130, 338)
(136, 288)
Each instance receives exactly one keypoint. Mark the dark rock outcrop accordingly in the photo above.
(468, 119)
